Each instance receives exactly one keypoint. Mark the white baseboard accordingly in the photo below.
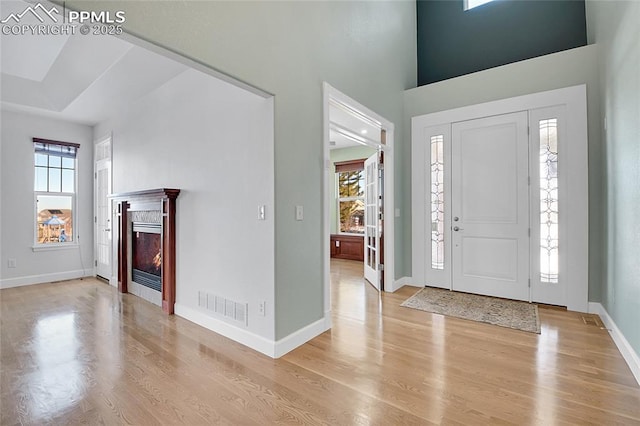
(399, 283)
(302, 336)
(268, 347)
(234, 333)
(396, 285)
(625, 348)
(44, 278)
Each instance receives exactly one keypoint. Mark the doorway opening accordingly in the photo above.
(358, 191)
(500, 198)
(102, 218)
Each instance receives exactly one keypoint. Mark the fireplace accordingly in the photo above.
(146, 230)
(146, 255)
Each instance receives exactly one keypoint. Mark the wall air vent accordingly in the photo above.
(224, 308)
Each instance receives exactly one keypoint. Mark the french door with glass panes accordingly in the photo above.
(373, 220)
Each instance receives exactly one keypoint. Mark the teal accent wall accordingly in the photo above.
(454, 42)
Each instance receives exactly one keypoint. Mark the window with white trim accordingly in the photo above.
(54, 191)
(350, 196)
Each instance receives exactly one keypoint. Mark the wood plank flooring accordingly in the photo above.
(77, 352)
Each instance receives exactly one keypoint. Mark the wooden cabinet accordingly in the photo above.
(347, 247)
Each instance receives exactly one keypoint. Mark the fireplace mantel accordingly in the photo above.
(163, 201)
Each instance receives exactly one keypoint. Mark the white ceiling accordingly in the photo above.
(350, 128)
(15, 60)
(79, 78)
(86, 78)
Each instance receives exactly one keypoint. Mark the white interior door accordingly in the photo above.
(490, 206)
(372, 221)
(103, 209)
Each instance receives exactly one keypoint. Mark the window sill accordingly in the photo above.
(54, 246)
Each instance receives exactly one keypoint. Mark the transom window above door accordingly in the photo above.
(470, 4)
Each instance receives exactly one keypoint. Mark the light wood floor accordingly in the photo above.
(77, 352)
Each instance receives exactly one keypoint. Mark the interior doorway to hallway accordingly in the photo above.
(358, 190)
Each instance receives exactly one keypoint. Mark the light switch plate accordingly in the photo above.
(299, 213)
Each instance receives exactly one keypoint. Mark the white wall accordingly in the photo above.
(563, 69)
(17, 209)
(288, 49)
(214, 142)
(335, 156)
(615, 28)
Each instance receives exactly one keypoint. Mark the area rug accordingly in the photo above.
(502, 312)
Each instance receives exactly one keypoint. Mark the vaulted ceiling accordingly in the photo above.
(79, 78)
(86, 78)
(351, 128)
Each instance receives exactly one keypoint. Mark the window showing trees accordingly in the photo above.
(55, 190)
(350, 181)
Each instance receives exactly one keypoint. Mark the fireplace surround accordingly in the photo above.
(147, 241)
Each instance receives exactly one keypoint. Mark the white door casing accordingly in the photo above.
(490, 206)
(102, 214)
(372, 221)
(568, 105)
(331, 94)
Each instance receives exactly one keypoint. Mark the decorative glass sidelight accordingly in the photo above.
(549, 200)
(437, 201)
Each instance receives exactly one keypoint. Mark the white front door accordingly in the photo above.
(490, 206)
(103, 209)
(372, 221)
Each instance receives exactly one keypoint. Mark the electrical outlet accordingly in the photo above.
(262, 308)
(12, 263)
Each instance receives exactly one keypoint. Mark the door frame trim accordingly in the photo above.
(576, 202)
(112, 278)
(330, 93)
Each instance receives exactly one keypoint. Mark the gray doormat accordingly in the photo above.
(505, 313)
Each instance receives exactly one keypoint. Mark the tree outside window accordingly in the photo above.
(350, 180)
